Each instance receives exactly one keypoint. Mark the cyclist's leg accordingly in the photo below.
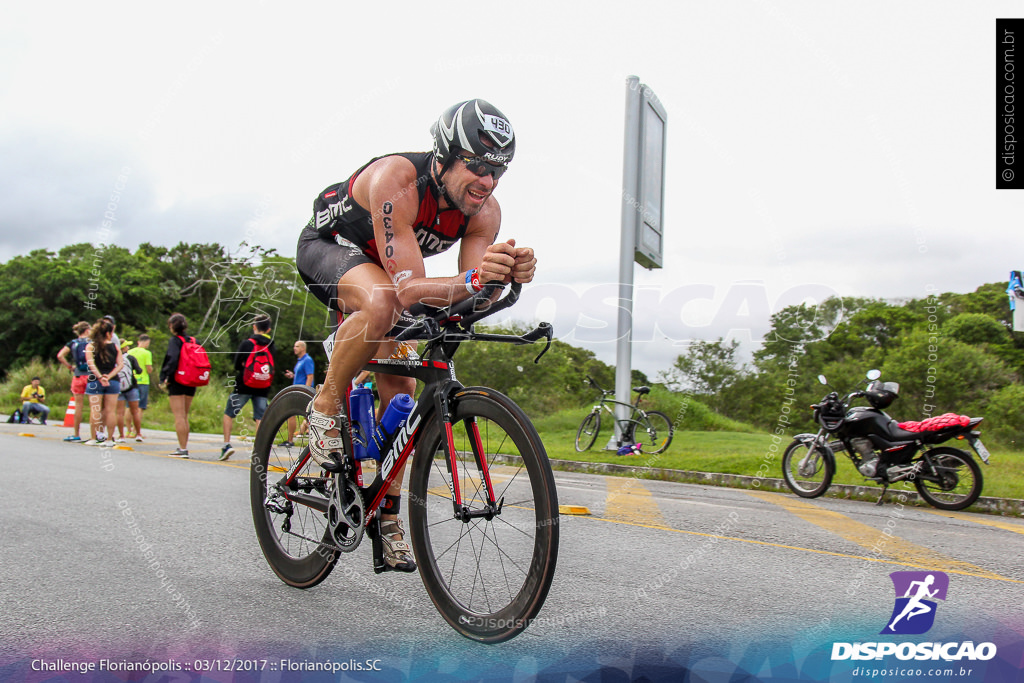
(368, 296)
(397, 551)
(344, 279)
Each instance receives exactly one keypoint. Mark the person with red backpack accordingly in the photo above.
(254, 373)
(186, 366)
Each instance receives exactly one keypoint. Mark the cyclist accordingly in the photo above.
(362, 254)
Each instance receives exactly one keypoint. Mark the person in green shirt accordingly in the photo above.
(145, 358)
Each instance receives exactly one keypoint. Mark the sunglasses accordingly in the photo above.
(480, 168)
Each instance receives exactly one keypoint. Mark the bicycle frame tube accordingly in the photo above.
(441, 384)
(632, 415)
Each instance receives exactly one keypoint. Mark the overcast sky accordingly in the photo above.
(813, 148)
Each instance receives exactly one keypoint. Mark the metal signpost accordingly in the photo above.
(643, 201)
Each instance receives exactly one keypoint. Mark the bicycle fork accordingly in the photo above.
(461, 510)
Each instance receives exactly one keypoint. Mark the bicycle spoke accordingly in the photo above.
(293, 540)
(513, 526)
(483, 569)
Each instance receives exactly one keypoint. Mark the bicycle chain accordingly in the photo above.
(318, 543)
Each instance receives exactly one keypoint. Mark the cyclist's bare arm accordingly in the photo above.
(388, 190)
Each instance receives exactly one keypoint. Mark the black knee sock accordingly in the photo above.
(392, 504)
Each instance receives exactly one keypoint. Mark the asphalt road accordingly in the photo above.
(659, 576)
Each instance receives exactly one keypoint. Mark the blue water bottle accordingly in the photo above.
(360, 405)
(392, 420)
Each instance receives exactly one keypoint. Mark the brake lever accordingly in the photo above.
(543, 330)
(541, 354)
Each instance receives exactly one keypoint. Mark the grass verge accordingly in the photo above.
(745, 453)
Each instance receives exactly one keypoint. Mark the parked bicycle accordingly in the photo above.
(652, 429)
(483, 509)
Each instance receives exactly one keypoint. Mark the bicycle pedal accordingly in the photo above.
(334, 465)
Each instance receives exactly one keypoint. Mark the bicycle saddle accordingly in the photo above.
(642, 390)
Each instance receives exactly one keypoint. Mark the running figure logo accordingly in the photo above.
(914, 612)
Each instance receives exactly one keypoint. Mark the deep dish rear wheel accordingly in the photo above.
(294, 537)
(487, 577)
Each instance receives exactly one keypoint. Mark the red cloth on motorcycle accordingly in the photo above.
(937, 424)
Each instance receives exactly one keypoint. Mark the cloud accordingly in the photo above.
(57, 189)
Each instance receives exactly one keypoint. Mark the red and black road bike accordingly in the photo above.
(482, 504)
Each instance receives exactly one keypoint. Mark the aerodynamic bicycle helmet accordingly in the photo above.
(476, 126)
(882, 394)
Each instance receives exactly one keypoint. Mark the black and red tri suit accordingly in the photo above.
(340, 234)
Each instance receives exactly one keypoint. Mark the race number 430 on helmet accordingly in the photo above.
(476, 126)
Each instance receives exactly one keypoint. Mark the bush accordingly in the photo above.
(1004, 419)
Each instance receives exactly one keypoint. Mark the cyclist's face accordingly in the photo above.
(469, 191)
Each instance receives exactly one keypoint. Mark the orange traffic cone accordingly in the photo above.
(69, 414)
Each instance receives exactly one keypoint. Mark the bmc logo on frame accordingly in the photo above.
(913, 614)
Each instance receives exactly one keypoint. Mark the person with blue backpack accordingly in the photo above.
(72, 356)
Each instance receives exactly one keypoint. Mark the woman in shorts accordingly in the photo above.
(80, 375)
(178, 395)
(104, 359)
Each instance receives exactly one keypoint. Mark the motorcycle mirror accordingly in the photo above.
(821, 378)
(874, 374)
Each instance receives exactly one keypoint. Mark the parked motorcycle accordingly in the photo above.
(886, 451)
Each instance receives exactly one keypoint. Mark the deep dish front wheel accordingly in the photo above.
(487, 577)
(807, 469)
(953, 483)
(586, 435)
(294, 537)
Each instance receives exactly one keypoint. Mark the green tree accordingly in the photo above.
(938, 375)
(707, 369)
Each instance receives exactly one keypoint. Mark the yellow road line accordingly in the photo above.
(783, 546)
(871, 538)
(980, 519)
(630, 501)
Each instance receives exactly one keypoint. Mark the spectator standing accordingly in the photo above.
(178, 395)
(129, 396)
(33, 398)
(113, 327)
(72, 356)
(104, 359)
(302, 374)
(142, 354)
(254, 372)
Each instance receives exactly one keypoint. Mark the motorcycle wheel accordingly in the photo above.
(807, 471)
(955, 481)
